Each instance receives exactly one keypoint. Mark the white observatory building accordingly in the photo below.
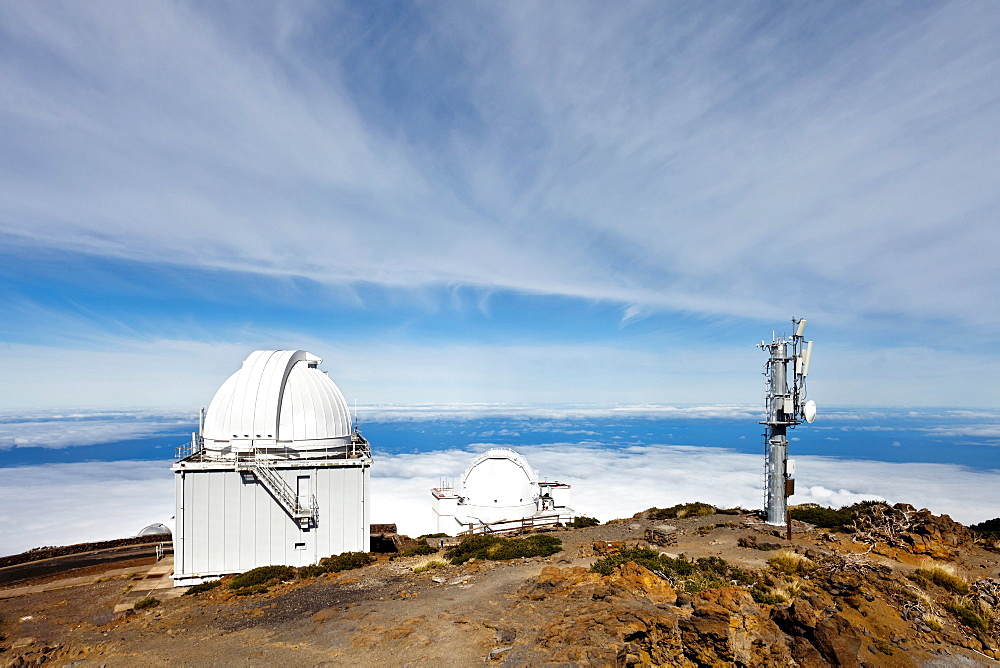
(277, 474)
(498, 491)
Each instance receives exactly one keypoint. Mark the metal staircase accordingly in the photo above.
(304, 513)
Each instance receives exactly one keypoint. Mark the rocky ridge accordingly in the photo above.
(907, 588)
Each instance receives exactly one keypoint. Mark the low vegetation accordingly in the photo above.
(497, 548)
(688, 576)
(428, 565)
(839, 519)
(934, 622)
(791, 563)
(250, 591)
(583, 522)
(202, 588)
(422, 548)
(987, 534)
(944, 575)
(990, 528)
(682, 510)
(146, 603)
(346, 561)
(970, 611)
(261, 577)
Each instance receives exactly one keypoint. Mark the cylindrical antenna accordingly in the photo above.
(806, 357)
(802, 326)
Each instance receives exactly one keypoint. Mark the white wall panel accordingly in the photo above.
(228, 522)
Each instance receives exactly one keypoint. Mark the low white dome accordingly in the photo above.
(278, 399)
(155, 530)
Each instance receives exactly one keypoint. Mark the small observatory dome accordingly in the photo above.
(278, 400)
(499, 484)
(500, 492)
(155, 530)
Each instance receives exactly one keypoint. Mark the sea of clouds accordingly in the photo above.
(56, 504)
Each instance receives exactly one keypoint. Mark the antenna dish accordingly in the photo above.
(809, 411)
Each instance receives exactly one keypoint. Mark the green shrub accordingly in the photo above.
(421, 549)
(988, 534)
(345, 562)
(203, 587)
(335, 564)
(839, 519)
(310, 571)
(989, 526)
(148, 602)
(687, 576)
(826, 518)
(497, 548)
(251, 590)
(262, 575)
(682, 510)
(582, 522)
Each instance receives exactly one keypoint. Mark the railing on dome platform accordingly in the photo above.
(192, 447)
(513, 526)
(357, 448)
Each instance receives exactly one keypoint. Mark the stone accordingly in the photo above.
(837, 641)
(640, 581)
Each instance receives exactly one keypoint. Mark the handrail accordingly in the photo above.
(520, 525)
(267, 474)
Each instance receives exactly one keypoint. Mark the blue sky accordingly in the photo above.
(546, 202)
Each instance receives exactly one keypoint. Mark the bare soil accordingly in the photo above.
(385, 614)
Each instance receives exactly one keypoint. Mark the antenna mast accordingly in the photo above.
(786, 406)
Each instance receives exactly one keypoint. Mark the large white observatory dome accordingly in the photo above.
(278, 400)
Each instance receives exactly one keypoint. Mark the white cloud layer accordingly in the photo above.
(68, 430)
(608, 483)
(67, 503)
(62, 504)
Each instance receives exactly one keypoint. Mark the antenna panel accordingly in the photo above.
(807, 357)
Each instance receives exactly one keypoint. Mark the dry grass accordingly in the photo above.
(428, 564)
(791, 563)
(787, 591)
(944, 575)
(971, 611)
(933, 621)
(912, 592)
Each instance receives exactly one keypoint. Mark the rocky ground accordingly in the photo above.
(846, 603)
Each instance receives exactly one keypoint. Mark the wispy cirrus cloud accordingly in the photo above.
(644, 153)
